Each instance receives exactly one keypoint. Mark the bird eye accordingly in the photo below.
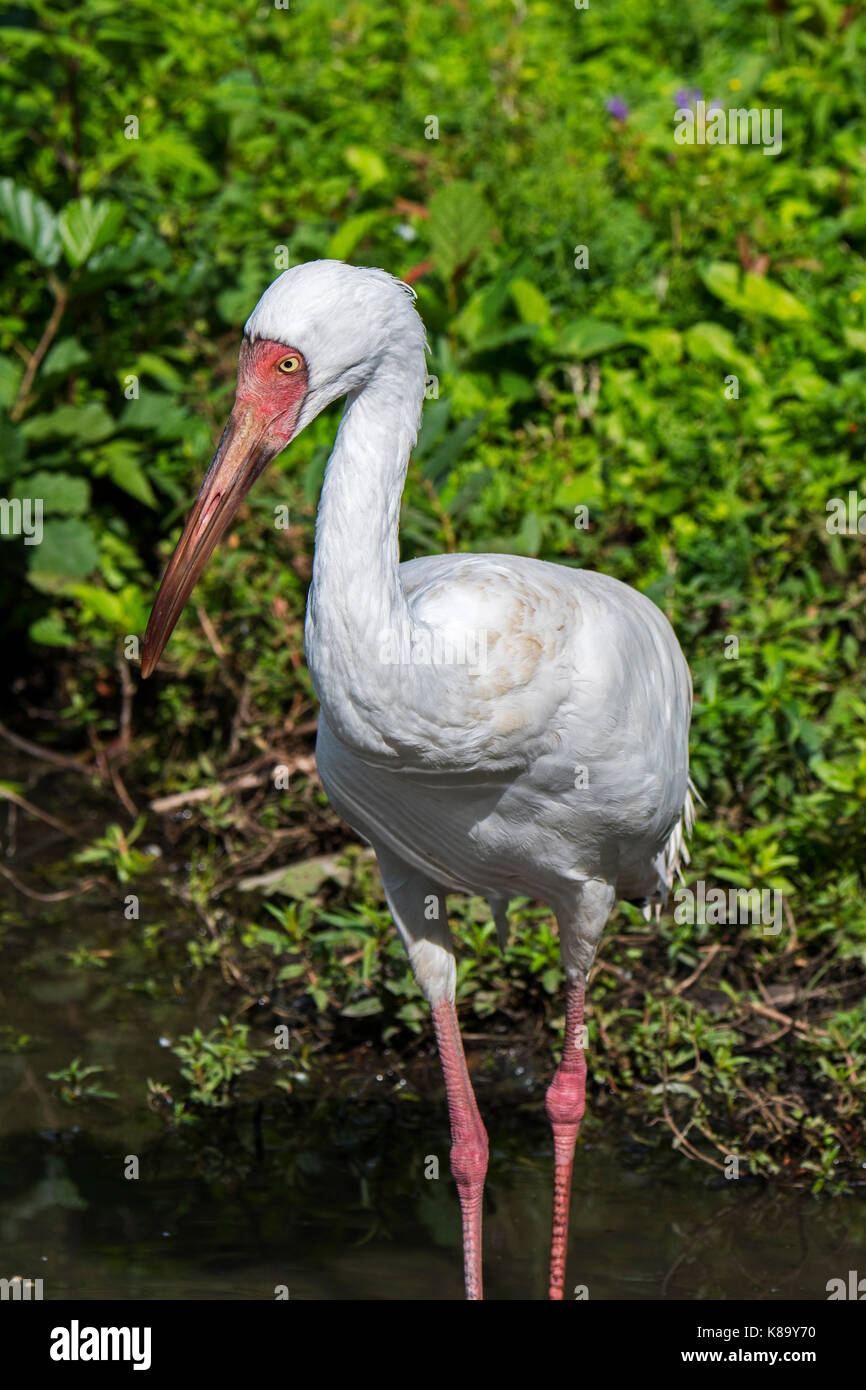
(289, 364)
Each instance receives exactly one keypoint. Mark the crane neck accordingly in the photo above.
(356, 598)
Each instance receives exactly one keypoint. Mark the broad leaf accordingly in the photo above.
(589, 337)
(11, 373)
(50, 632)
(366, 163)
(68, 551)
(752, 294)
(530, 303)
(64, 357)
(30, 222)
(457, 227)
(85, 226)
(352, 231)
(119, 459)
(85, 423)
(712, 342)
(437, 464)
(61, 493)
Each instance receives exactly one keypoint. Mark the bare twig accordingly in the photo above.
(712, 952)
(164, 804)
(210, 632)
(71, 762)
(61, 298)
(8, 795)
(128, 694)
(60, 896)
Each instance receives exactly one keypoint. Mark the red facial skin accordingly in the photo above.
(273, 396)
(263, 420)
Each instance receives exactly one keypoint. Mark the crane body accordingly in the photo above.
(491, 724)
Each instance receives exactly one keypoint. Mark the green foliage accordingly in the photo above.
(166, 160)
(74, 1086)
(213, 1063)
(115, 850)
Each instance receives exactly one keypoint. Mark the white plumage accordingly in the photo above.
(491, 724)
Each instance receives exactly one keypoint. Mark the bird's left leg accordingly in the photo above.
(418, 908)
(580, 933)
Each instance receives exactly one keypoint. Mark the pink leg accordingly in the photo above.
(468, 1140)
(565, 1101)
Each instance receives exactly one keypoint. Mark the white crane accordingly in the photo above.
(490, 724)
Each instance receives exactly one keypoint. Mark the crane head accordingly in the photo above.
(272, 384)
(320, 331)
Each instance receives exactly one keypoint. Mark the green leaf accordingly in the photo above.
(11, 373)
(434, 423)
(115, 262)
(437, 464)
(712, 342)
(50, 632)
(160, 412)
(530, 303)
(365, 1008)
(151, 364)
(119, 460)
(663, 344)
(85, 423)
(589, 337)
(85, 226)
(169, 160)
(484, 312)
(352, 231)
(68, 551)
(12, 448)
(103, 603)
(367, 164)
(855, 338)
(803, 381)
(64, 357)
(529, 535)
(751, 294)
(30, 222)
(457, 227)
(60, 492)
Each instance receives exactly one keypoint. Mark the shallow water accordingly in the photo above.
(324, 1192)
(331, 1202)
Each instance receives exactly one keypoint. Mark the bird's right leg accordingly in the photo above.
(418, 908)
(579, 934)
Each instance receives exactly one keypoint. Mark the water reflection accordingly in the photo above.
(330, 1200)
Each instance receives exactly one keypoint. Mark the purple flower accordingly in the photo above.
(687, 96)
(715, 105)
(617, 108)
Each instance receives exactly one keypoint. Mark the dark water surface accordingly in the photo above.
(330, 1201)
(324, 1191)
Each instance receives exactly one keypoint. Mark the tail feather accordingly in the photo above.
(669, 864)
(676, 851)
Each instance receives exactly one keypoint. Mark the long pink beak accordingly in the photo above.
(244, 452)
